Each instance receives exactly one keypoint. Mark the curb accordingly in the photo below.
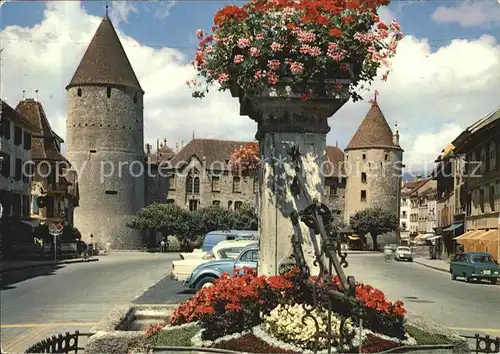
(431, 267)
(41, 265)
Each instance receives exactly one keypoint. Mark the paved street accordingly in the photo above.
(40, 302)
(468, 308)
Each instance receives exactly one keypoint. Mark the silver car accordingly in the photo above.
(209, 272)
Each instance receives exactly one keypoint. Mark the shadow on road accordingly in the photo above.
(9, 278)
(166, 291)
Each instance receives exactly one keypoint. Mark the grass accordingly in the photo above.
(178, 337)
(426, 338)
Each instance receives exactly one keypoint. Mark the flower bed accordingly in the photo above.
(265, 42)
(266, 314)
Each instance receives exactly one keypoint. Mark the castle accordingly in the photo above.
(105, 129)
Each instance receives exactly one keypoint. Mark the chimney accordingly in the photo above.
(395, 136)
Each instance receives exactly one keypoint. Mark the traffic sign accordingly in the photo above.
(59, 227)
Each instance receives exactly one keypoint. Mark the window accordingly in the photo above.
(363, 177)
(363, 196)
(250, 256)
(26, 205)
(237, 205)
(403, 226)
(491, 198)
(236, 185)
(18, 135)
(18, 170)
(27, 141)
(229, 204)
(386, 157)
(6, 166)
(216, 203)
(364, 156)
(196, 185)
(5, 128)
(170, 201)
(493, 156)
(110, 192)
(193, 204)
(255, 184)
(35, 205)
(481, 200)
(79, 92)
(108, 92)
(215, 184)
(333, 191)
(404, 214)
(93, 151)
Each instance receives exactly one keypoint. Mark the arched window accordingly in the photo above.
(189, 185)
(363, 177)
(79, 92)
(196, 185)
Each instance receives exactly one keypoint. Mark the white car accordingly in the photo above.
(403, 253)
(181, 269)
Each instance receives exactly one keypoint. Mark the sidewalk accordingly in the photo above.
(12, 265)
(436, 264)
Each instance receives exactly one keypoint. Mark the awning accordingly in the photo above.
(32, 223)
(491, 235)
(466, 235)
(433, 238)
(453, 227)
(353, 237)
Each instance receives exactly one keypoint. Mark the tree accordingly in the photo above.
(375, 221)
(245, 218)
(216, 218)
(164, 217)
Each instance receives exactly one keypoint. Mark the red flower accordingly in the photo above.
(335, 32)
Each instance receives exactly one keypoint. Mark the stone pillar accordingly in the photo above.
(282, 123)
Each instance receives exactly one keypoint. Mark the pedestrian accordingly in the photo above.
(162, 246)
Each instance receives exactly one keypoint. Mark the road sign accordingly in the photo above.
(59, 227)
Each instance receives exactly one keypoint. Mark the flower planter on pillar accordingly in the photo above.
(285, 121)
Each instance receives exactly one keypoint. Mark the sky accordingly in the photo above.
(446, 73)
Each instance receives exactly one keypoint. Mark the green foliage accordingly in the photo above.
(425, 338)
(187, 225)
(375, 221)
(176, 337)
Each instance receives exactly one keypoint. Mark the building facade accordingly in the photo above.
(480, 144)
(15, 181)
(423, 207)
(54, 189)
(408, 226)
(105, 141)
(373, 166)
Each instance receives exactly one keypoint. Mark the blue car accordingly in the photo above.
(209, 272)
(475, 265)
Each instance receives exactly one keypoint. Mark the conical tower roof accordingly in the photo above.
(105, 61)
(374, 131)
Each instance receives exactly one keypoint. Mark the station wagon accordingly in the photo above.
(475, 265)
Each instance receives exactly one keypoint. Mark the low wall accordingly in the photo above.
(111, 335)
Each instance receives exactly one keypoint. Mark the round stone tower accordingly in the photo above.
(373, 166)
(105, 141)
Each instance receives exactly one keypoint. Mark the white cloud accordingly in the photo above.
(470, 14)
(430, 93)
(121, 10)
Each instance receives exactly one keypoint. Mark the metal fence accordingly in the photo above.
(67, 343)
(484, 344)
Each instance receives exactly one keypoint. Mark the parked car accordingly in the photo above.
(181, 269)
(214, 237)
(403, 253)
(209, 272)
(475, 265)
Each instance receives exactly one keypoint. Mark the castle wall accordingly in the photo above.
(105, 147)
(383, 178)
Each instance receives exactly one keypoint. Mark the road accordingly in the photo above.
(466, 307)
(38, 303)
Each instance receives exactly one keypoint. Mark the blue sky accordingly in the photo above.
(446, 72)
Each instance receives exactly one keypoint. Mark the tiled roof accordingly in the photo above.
(16, 117)
(334, 159)
(217, 152)
(164, 153)
(105, 61)
(374, 131)
(43, 145)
